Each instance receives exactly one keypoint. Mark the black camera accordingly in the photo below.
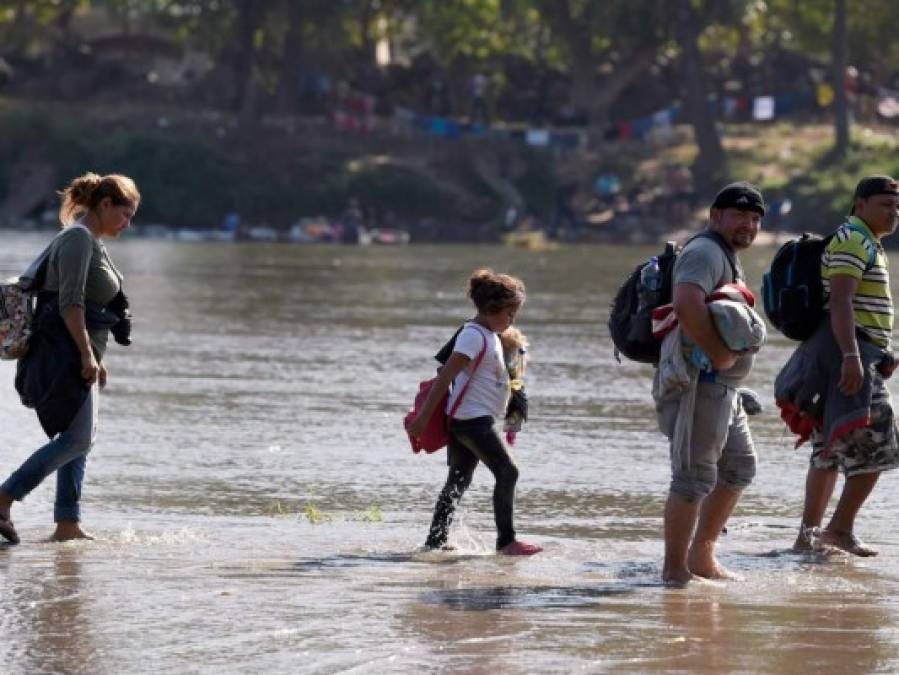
(121, 330)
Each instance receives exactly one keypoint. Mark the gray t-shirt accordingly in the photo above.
(704, 263)
(80, 269)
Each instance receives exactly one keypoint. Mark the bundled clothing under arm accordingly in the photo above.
(807, 388)
(740, 328)
(48, 377)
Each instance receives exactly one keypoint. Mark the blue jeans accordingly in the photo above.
(67, 456)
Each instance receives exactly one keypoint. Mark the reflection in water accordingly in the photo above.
(267, 383)
(58, 620)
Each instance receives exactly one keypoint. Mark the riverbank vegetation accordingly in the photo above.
(591, 120)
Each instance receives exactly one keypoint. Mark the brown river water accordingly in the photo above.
(258, 508)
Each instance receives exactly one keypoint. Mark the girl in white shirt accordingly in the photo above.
(473, 436)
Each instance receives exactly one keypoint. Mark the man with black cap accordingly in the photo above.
(856, 280)
(720, 461)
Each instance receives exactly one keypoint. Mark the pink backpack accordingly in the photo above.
(436, 432)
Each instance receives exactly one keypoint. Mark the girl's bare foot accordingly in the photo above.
(67, 530)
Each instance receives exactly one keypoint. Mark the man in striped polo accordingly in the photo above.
(856, 280)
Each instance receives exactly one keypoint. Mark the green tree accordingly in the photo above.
(621, 37)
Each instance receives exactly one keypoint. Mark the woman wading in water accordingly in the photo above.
(79, 302)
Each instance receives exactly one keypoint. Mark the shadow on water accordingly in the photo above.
(342, 562)
(378, 560)
(649, 573)
(523, 597)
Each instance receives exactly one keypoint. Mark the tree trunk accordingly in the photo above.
(710, 164)
(245, 58)
(838, 76)
(583, 84)
(19, 32)
(612, 86)
(291, 58)
(589, 99)
(367, 26)
(574, 33)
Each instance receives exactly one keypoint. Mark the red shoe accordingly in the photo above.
(520, 548)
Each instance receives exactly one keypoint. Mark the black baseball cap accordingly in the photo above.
(741, 195)
(874, 185)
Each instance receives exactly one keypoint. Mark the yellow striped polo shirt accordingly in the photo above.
(850, 253)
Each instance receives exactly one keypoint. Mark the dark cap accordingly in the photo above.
(743, 196)
(874, 185)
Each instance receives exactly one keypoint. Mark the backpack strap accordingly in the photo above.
(452, 412)
(736, 270)
(871, 246)
(32, 278)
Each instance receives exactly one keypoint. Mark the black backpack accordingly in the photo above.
(630, 325)
(792, 290)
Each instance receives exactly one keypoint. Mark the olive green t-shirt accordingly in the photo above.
(80, 269)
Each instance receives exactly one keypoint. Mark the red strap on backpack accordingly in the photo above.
(436, 431)
(452, 412)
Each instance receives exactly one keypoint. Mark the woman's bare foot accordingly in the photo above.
(7, 529)
(67, 530)
(846, 541)
(5, 504)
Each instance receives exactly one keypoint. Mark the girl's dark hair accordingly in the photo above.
(86, 192)
(491, 292)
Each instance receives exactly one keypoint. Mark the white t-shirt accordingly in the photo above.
(489, 391)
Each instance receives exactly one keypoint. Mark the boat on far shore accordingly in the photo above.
(384, 236)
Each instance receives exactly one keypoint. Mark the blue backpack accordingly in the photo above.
(792, 289)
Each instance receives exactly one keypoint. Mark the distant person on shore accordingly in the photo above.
(718, 461)
(478, 88)
(79, 303)
(352, 222)
(854, 347)
(475, 365)
(606, 187)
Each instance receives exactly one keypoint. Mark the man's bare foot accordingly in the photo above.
(67, 530)
(803, 543)
(678, 578)
(811, 540)
(703, 563)
(846, 541)
(714, 570)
